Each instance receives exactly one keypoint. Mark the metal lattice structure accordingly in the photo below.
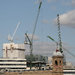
(59, 34)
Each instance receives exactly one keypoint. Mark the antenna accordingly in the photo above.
(59, 34)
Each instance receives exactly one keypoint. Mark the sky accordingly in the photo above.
(25, 11)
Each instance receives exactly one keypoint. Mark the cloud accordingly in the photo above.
(46, 21)
(68, 19)
(47, 49)
(73, 2)
(43, 48)
(69, 3)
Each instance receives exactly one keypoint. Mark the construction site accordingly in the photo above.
(15, 62)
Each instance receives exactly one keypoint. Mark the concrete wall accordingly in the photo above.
(12, 50)
(48, 72)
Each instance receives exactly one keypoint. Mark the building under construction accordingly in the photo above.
(14, 65)
(13, 57)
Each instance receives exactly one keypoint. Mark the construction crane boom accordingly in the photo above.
(53, 40)
(35, 25)
(11, 38)
(36, 20)
(62, 46)
(15, 31)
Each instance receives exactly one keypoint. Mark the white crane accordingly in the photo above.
(11, 38)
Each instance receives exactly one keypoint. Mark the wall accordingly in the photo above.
(48, 72)
(12, 50)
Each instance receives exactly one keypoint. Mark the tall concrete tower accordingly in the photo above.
(57, 61)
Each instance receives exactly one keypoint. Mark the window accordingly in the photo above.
(12, 60)
(56, 63)
(60, 62)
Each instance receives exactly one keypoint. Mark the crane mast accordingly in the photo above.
(59, 34)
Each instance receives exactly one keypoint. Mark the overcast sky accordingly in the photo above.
(25, 11)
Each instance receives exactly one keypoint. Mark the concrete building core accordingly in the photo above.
(12, 50)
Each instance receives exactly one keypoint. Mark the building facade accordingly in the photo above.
(12, 64)
(12, 50)
(13, 57)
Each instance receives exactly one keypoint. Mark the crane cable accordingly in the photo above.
(69, 52)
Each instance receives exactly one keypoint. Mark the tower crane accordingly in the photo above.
(35, 24)
(11, 38)
(31, 40)
(62, 47)
(59, 43)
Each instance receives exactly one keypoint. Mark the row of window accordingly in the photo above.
(14, 68)
(12, 60)
(12, 64)
(56, 62)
